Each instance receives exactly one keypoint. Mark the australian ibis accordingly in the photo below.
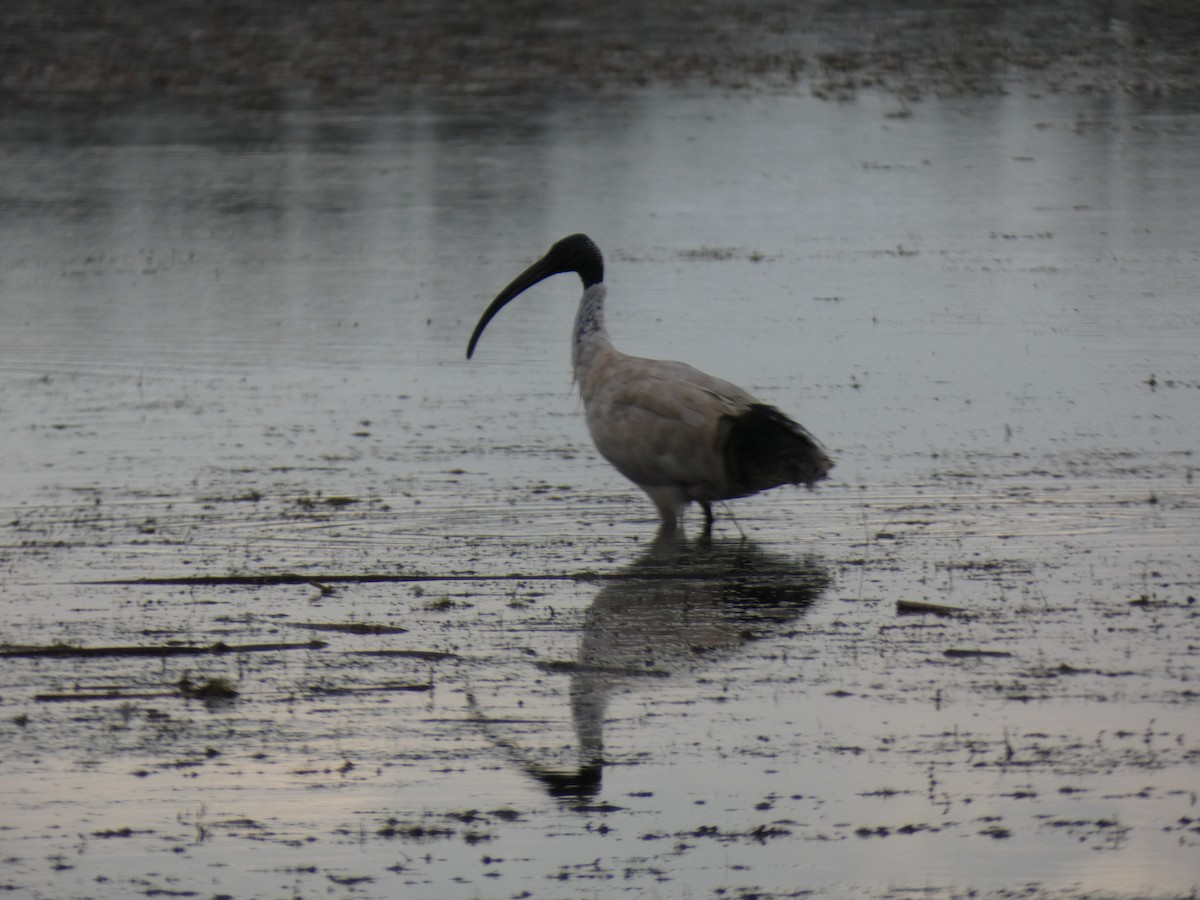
(677, 433)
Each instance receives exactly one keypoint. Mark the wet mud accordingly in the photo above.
(296, 601)
(277, 55)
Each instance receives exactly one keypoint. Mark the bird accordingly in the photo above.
(680, 435)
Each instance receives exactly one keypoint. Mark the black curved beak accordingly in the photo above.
(539, 271)
(574, 253)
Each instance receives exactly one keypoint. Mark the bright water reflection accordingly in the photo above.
(679, 609)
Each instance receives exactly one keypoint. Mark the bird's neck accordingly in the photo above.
(591, 337)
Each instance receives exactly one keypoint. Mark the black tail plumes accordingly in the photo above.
(764, 448)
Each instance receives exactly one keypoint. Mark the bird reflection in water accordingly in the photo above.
(679, 609)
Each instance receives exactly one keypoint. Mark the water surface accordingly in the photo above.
(234, 345)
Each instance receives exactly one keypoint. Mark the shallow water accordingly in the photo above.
(235, 346)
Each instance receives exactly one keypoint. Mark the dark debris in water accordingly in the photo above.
(917, 607)
(974, 653)
(443, 826)
(219, 648)
(350, 627)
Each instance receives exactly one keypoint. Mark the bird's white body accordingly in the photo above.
(680, 435)
(657, 422)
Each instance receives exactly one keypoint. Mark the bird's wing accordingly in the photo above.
(677, 390)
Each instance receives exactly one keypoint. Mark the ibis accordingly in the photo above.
(680, 435)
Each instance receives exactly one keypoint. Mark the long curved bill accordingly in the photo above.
(539, 271)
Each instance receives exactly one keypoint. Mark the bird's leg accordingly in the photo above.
(733, 519)
(669, 502)
(709, 518)
(667, 544)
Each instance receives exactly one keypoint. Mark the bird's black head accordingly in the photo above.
(574, 253)
(577, 253)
